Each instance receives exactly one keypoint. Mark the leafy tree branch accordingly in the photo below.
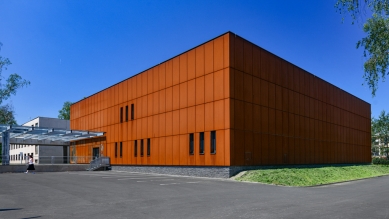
(376, 43)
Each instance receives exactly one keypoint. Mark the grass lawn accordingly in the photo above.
(309, 176)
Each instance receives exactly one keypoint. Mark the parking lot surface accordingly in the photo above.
(113, 194)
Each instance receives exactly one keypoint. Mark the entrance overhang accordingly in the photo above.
(28, 135)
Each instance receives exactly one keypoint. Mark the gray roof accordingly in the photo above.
(45, 136)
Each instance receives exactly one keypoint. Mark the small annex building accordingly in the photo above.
(41, 153)
(226, 103)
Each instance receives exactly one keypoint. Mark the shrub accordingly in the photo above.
(380, 161)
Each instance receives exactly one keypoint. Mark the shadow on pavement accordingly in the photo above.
(10, 209)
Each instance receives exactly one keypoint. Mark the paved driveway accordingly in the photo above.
(133, 195)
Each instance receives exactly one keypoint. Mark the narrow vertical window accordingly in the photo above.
(121, 114)
(213, 142)
(191, 143)
(121, 149)
(126, 113)
(141, 148)
(132, 111)
(201, 142)
(135, 148)
(148, 147)
(116, 149)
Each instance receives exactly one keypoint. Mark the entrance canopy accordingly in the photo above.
(44, 136)
(28, 135)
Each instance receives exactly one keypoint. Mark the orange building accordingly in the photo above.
(225, 103)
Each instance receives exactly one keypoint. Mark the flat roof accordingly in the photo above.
(35, 135)
(236, 35)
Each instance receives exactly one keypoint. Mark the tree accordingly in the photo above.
(380, 132)
(7, 115)
(13, 83)
(64, 113)
(376, 43)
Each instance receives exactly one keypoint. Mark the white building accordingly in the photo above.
(42, 154)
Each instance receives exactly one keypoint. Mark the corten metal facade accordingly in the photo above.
(263, 111)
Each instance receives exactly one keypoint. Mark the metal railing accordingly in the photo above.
(4, 158)
(62, 159)
(99, 162)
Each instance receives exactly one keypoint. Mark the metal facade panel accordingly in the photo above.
(200, 118)
(176, 122)
(208, 57)
(256, 62)
(227, 83)
(162, 124)
(191, 119)
(169, 99)
(238, 85)
(169, 123)
(227, 113)
(239, 143)
(192, 64)
(169, 73)
(248, 116)
(265, 67)
(239, 114)
(227, 50)
(169, 150)
(176, 97)
(162, 101)
(191, 93)
(247, 87)
(183, 67)
(184, 149)
(200, 90)
(218, 85)
(256, 118)
(218, 54)
(256, 90)
(238, 54)
(247, 57)
(264, 93)
(200, 61)
(248, 147)
(220, 148)
(219, 114)
(176, 70)
(209, 117)
(162, 151)
(278, 97)
(183, 95)
(183, 121)
(208, 88)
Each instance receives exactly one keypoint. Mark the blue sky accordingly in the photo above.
(72, 49)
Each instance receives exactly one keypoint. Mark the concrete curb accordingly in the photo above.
(44, 168)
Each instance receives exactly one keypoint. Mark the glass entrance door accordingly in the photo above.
(95, 153)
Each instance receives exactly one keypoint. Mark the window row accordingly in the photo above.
(141, 147)
(119, 150)
(201, 143)
(17, 146)
(18, 157)
(126, 113)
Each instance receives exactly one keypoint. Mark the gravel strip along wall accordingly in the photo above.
(213, 172)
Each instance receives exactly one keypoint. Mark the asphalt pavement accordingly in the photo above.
(112, 194)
